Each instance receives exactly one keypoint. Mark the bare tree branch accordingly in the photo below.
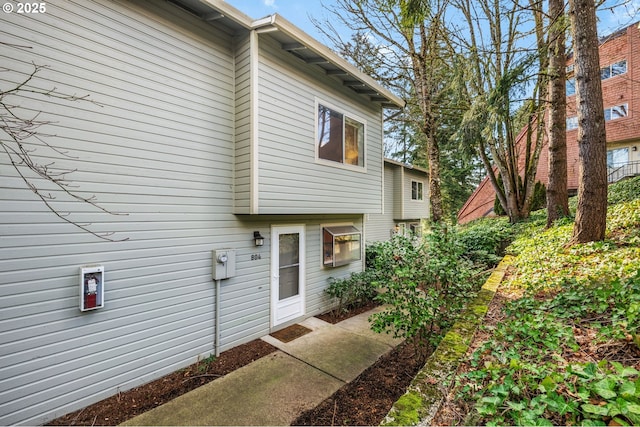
(21, 130)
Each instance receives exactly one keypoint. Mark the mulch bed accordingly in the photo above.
(126, 405)
(336, 316)
(367, 400)
(364, 401)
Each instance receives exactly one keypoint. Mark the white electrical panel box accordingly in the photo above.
(91, 287)
(224, 264)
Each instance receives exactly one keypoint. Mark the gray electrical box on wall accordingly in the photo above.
(224, 264)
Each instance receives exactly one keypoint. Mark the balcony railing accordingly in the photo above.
(618, 172)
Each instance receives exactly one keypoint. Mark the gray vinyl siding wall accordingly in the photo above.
(245, 299)
(380, 226)
(242, 179)
(157, 146)
(290, 179)
(414, 209)
(398, 206)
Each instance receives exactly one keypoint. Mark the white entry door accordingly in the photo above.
(287, 273)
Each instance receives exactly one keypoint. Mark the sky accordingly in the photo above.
(299, 12)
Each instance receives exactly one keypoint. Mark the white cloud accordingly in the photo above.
(270, 3)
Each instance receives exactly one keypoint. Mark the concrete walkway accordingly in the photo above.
(275, 389)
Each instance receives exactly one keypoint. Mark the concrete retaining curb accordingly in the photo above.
(423, 398)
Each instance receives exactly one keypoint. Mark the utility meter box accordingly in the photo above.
(91, 287)
(224, 264)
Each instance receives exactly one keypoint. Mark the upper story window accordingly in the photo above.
(611, 113)
(617, 112)
(417, 190)
(613, 70)
(571, 86)
(607, 72)
(340, 137)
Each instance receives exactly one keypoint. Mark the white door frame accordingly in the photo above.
(295, 306)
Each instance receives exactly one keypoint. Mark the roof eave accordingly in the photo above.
(368, 86)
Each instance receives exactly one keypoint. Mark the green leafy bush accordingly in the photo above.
(354, 291)
(485, 240)
(375, 252)
(427, 282)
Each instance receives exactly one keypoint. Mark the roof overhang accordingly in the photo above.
(298, 43)
(405, 165)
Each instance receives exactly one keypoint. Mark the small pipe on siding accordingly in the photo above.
(217, 320)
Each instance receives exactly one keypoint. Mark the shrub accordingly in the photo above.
(380, 258)
(354, 291)
(485, 241)
(427, 282)
(373, 251)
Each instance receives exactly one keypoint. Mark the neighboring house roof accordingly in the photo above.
(296, 42)
(479, 204)
(406, 165)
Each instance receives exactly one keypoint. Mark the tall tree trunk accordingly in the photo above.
(435, 192)
(557, 191)
(425, 85)
(591, 215)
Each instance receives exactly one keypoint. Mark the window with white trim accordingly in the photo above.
(613, 70)
(340, 138)
(417, 188)
(617, 112)
(611, 113)
(617, 157)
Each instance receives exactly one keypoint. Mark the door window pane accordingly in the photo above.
(289, 263)
(289, 282)
(289, 249)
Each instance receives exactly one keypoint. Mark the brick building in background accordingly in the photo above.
(620, 71)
